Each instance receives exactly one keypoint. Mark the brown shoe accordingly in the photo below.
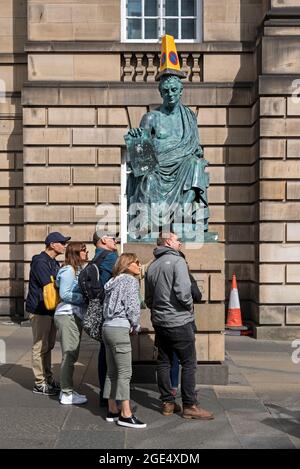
(195, 412)
(169, 408)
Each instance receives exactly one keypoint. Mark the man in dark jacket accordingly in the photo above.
(43, 266)
(168, 295)
(104, 242)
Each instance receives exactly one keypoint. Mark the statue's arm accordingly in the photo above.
(147, 123)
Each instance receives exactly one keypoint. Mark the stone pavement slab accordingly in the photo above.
(234, 391)
(90, 439)
(29, 423)
(27, 443)
(178, 433)
(248, 424)
(266, 442)
(260, 408)
(281, 394)
(242, 405)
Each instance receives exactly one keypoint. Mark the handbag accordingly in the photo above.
(93, 320)
(51, 295)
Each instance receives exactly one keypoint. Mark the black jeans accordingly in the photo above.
(180, 340)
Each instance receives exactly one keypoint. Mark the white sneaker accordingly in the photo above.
(79, 395)
(72, 399)
(74, 392)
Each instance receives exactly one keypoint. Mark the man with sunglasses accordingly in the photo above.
(43, 269)
(106, 249)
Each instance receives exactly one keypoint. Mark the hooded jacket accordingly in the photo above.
(121, 307)
(168, 289)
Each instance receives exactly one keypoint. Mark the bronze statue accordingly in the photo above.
(167, 162)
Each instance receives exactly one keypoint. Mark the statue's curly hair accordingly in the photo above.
(165, 78)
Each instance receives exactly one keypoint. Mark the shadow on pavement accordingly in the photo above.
(288, 420)
(22, 375)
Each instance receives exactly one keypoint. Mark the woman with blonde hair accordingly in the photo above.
(68, 319)
(121, 312)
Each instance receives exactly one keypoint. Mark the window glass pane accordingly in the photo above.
(150, 7)
(134, 8)
(188, 8)
(171, 27)
(188, 29)
(171, 8)
(151, 29)
(135, 29)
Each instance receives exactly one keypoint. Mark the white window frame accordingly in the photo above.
(161, 18)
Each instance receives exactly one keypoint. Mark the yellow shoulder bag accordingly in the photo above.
(51, 295)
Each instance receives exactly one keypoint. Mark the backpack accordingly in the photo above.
(89, 279)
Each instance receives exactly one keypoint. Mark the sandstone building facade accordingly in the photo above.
(75, 75)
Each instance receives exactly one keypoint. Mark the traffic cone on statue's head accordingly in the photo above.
(169, 61)
(234, 318)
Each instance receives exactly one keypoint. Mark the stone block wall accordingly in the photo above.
(72, 155)
(86, 20)
(13, 73)
(278, 313)
(99, 20)
(233, 20)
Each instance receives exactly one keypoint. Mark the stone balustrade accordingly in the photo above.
(144, 66)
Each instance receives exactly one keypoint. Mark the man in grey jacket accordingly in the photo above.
(168, 295)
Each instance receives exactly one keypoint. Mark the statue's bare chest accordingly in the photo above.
(168, 127)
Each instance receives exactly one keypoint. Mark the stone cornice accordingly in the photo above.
(117, 47)
(134, 94)
(285, 12)
(17, 58)
(287, 22)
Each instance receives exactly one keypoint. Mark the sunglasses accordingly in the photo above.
(137, 262)
(115, 240)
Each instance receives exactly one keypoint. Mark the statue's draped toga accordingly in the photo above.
(180, 176)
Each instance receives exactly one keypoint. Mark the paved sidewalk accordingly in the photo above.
(260, 408)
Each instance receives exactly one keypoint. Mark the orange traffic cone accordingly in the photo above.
(234, 318)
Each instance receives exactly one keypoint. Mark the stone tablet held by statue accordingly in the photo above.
(141, 154)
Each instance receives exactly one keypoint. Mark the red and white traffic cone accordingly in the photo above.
(234, 318)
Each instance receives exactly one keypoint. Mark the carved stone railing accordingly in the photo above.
(144, 66)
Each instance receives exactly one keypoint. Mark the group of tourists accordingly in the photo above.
(170, 292)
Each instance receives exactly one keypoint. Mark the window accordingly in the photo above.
(148, 20)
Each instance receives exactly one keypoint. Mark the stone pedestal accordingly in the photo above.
(206, 263)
